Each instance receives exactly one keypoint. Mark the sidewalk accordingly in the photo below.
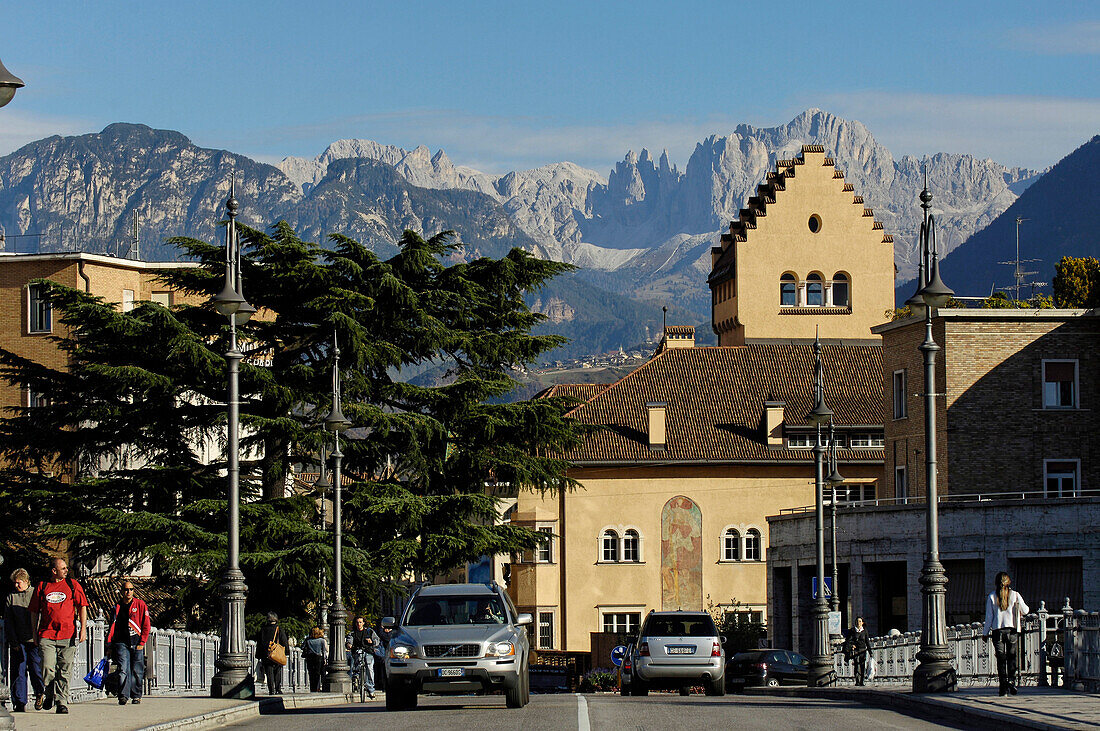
(1033, 708)
(166, 712)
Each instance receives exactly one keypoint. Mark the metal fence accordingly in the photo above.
(176, 663)
(1066, 643)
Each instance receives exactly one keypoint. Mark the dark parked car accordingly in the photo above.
(626, 670)
(770, 668)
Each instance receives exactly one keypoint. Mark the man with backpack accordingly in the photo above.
(54, 609)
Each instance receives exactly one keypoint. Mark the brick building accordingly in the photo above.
(1018, 473)
(27, 322)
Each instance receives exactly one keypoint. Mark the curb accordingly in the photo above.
(942, 709)
(250, 709)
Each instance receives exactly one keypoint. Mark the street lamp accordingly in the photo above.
(338, 681)
(233, 678)
(834, 479)
(821, 664)
(9, 83)
(322, 486)
(934, 673)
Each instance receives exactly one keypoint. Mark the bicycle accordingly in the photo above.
(359, 675)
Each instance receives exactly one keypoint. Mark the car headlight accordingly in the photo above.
(402, 652)
(500, 649)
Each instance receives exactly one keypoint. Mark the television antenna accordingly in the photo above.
(1019, 274)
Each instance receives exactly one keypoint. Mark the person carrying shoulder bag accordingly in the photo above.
(1004, 611)
(271, 648)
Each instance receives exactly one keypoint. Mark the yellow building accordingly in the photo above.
(700, 444)
(805, 253)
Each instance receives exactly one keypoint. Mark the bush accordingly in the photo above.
(599, 679)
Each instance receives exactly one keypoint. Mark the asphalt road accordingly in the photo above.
(590, 712)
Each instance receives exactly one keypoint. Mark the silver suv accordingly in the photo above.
(678, 650)
(457, 638)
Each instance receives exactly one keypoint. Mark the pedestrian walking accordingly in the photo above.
(23, 658)
(1004, 611)
(55, 608)
(129, 632)
(364, 641)
(313, 650)
(856, 647)
(271, 648)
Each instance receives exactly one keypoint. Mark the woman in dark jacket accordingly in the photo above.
(858, 645)
(273, 671)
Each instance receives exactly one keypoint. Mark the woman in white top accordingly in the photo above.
(1004, 611)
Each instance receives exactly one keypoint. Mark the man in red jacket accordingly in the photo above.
(53, 609)
(129, 632)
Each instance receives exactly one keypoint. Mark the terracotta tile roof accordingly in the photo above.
(578, 391)
(103, 594)
(716, 396)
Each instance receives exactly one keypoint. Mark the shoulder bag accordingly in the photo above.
(276, 653)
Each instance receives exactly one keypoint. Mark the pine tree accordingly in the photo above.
(111, 466)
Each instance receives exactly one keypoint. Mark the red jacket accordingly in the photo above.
(139, 620)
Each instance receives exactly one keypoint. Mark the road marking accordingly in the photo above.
(582, 714)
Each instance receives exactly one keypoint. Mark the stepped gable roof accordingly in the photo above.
(716, 397)
(774, 183)
(579, 391)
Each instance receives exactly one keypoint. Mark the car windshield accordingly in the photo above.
(455, 610)
(690, 626)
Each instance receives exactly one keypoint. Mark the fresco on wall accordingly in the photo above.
(681, 555)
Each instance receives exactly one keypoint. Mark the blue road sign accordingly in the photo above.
(828, 587)
(617, 655)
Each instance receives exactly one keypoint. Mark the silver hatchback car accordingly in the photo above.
(678, 650)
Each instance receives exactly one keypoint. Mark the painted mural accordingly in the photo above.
(681, 555)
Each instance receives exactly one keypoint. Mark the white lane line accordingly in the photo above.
(582, 714)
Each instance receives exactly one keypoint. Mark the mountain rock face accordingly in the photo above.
(83, 192)
(643, 232)
(1062, 219)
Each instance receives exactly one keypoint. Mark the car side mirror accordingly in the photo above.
(524, 618)
(722, 639)
(388, 623)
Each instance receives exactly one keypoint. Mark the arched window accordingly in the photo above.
(609, 545)
(632, 546)
(840, 290)
(788, 290)
(752, 545)
(731, 545)
(815, 290)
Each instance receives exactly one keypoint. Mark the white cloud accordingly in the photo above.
(18, 127)
(1068, 39)
(1029, 131)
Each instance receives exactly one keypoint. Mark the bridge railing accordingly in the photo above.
(176, 663)
(1066, 643)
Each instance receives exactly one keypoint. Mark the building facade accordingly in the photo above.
(1017, 459)
(805, 254)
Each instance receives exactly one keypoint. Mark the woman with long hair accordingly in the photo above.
(1004, 613)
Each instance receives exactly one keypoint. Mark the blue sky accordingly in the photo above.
(505, 85)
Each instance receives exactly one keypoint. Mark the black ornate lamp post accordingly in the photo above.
(322, 485)
(834, 479)
(9, 83)
(233, 678)
(338, 681)
(934, 672)
(821, 664)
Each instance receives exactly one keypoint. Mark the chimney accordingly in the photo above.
(773, 423)
(656, 412)
(679, 336)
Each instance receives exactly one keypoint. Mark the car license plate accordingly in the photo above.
(450, 672)
(736, 681)
(680, 650)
